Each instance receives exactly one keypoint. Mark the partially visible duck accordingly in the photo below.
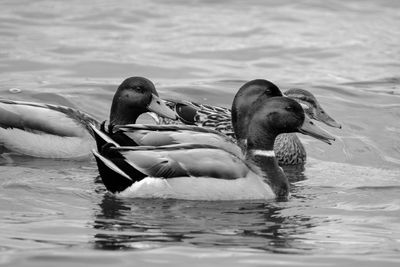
(208, 172)
(311, 106)
(52, 131)
(288, 147)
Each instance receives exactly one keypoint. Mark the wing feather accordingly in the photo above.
(161, 135)
(197, 162)
(50, 119)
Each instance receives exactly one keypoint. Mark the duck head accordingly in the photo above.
(277, 115)
(311, 106)
(245, 99)
(271, 117)
(135, 96)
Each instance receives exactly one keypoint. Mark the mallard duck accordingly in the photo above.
(288, 147)
(209, 172)
(52, 131)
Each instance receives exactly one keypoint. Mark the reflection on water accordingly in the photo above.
(143, 223)
(125, 227)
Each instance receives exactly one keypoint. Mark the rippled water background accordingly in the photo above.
(345, 205)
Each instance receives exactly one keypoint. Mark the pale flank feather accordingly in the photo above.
(201, 188)
(44, 131)
(46, 145)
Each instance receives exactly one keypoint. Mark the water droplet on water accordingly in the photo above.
(15, 90)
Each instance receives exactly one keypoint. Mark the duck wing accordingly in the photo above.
(161, 135)
(192, 113)
(44, 130)
(194, 160)
(189, 160)
(47, 118)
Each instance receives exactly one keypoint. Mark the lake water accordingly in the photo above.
(345, 205)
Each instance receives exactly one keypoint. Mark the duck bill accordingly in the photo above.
(309, 128)
(322, 116)
(160, 108)
(325, 118)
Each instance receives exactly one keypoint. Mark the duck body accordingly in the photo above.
(185, 172)
(52, 131)
(204, 171)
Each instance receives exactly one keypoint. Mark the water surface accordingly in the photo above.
(344, 208)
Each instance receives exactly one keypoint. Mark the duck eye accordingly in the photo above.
(138, 89)
(289, 108)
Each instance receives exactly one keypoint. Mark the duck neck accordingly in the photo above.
(260, 152)
(121, 114)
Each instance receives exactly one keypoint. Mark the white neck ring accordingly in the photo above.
(263, 153)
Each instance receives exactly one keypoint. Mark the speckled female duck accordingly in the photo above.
(52, 131)
(207, 172)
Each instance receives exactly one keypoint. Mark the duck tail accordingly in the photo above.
(116, 173)
(114, 179)
(101, 136)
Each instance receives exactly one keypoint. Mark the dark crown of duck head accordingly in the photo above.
(271, 117)
(303, 96)
(245, 99)
(131, 99)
